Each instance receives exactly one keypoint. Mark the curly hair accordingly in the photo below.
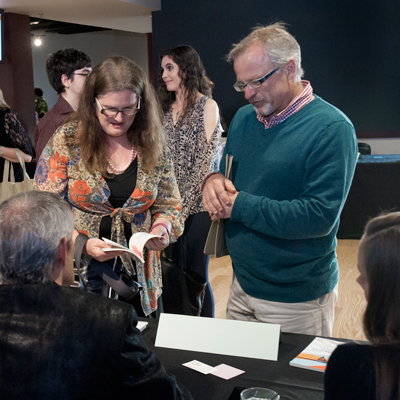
(146, 132)
(192, 73)
(65, 62)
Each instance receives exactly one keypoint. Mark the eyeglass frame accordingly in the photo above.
(102, 109)
(82, 73)
(237, 86)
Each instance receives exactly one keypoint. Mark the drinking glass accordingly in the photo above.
(259, 393)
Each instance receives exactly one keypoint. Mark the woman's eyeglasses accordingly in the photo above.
(113, 112)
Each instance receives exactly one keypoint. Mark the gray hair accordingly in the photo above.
(279, 44)
(32, 224)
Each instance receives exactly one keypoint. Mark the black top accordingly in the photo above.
(121, 187)
(59, 343)
(12, 134)
(350, 373)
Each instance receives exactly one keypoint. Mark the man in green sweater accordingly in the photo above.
(294, 157)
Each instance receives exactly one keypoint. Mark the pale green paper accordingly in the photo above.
(219, 336)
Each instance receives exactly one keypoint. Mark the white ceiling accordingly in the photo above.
(124, 15)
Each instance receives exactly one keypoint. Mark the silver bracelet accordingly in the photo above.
(1, 151)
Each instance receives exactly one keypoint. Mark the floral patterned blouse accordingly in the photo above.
(61, 170)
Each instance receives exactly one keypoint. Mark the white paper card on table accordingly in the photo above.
(141, 325)
(219, 336)
(136, 245)
(200, 367)
(226, 371)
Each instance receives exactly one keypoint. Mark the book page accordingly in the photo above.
(136, 245)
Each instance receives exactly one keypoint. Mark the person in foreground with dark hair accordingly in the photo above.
(67, 71)
(60, 342)
(191, 122)
(372, 371)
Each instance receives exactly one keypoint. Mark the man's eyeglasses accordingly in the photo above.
(81, 73)
(255, 83)
(113, 112)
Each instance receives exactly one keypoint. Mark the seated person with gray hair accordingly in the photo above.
(59, 342)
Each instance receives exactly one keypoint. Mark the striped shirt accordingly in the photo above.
(303, 98)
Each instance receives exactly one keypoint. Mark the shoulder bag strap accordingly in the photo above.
(109, 276)
(104, 271)
(22, 163)
(7, 170)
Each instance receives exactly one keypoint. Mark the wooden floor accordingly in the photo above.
(349, 307)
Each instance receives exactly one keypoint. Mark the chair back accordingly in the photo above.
(364, 148)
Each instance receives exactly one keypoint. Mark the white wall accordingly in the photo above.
(383, 146)
(98, 45)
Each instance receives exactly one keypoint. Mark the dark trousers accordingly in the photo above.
(195, 233)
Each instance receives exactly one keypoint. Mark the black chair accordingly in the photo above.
(364, 148)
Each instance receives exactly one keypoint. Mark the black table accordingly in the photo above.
(290, 382)
(375, 189)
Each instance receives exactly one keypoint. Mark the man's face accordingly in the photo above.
(275, 94)
(78, 79)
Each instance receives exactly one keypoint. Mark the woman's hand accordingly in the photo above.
(94, 248)
(8, 153)
(162, 228)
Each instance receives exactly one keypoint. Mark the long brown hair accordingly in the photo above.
(192, 73)
(382, 316)
(146, 132)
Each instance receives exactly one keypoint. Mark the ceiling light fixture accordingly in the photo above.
(38, 41)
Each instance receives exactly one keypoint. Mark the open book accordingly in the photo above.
(316, 355)
(136, 245)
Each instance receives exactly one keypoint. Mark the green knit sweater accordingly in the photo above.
(293, 180)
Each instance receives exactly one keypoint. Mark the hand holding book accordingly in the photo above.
(136, 245)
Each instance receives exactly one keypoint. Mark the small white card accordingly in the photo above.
(226, 371)
(199, 367)
(141, 325)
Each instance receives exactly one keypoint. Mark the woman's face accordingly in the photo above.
(170, 74)
(119, 124)
(362, 280)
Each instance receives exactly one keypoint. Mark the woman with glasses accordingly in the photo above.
(372, 371)
(110, 163)
(191, 121)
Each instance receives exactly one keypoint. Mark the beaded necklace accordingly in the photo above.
(119, 171)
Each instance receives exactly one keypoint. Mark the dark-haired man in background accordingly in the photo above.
(67, 70)
(60, 342)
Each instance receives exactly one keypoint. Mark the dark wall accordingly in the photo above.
(16, 73)
(350, 49)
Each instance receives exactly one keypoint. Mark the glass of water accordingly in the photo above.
(259, 393)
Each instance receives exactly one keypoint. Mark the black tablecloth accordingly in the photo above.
(290, 382)
(375, 189)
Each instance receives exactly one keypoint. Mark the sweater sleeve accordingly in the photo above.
(329, 169)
